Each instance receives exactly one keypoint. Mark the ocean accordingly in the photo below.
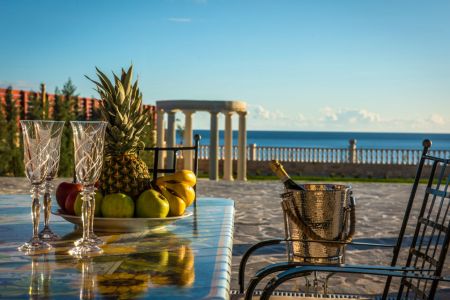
(371, 140)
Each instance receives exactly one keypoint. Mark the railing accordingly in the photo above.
(329, 155)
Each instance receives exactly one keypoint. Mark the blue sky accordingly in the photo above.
(371, 65)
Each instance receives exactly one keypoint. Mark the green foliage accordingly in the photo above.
(36, 110)
(4, 149)
(64, 109)
(75, 109)
(180, 130)
(11, 147)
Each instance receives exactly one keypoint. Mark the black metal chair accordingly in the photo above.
(421, 273)
(173, 151)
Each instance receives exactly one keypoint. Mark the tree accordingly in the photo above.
(68, 91)
(14, 160)
(180, 130)
(4, 149)
(36, 109)
(62, 112)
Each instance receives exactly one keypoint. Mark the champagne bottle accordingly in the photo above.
(278, 169)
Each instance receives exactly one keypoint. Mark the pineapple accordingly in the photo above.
(121, 106)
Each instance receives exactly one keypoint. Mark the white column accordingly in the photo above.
(160, 128)
(187, 139)
(214, 147)
(242, 147)
(170, 137)
(228, 159)
(160, 135)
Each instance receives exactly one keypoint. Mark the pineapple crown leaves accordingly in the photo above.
(121, 107)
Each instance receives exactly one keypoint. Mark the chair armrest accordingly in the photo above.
(344, 243)
(245, 257)
(354, 269)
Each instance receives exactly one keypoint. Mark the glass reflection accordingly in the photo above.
(87, 288)
(39, 287)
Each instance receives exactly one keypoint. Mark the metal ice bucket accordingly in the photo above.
(319, 221)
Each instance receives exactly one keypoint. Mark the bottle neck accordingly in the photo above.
(278, 169)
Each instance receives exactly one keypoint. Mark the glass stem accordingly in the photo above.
(86, 211)
(47, 202)
(91, 220)
(35, 210)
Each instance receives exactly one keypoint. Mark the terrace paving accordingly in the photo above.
(380, 208)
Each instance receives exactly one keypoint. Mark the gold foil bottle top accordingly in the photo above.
(278, 169)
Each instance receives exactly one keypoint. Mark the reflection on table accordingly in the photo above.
(189, 259)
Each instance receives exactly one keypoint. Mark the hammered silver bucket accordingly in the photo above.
(320, 213)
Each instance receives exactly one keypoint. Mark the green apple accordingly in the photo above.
(98, 204)
(117, 206)
(152, 204)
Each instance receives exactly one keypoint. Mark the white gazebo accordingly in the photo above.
(189, 107)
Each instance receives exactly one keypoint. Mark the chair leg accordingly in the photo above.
(269, 289)
(245, 257)
(263, 273)
(325, 283)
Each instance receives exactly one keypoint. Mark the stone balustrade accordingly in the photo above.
(327, 155)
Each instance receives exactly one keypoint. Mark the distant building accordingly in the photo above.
(85, 105)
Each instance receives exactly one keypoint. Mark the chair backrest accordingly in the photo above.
(429, 245)
(172, 151)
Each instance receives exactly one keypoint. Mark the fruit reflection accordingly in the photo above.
(123, 285)
(142, 269)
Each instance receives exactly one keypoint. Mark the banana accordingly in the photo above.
(177, 205)
(182, 190)
(183, 176)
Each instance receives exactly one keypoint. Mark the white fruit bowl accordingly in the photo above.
(120, 225)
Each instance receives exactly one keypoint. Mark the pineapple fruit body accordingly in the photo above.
(121, 106)
(126, 174)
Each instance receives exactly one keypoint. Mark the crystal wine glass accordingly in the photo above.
(88, 139)
(36, 145)
(56, 130)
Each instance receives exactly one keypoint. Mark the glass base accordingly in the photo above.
(34, 245)
(96, 240)
(85, 249)
(47, 234)
(92, 240)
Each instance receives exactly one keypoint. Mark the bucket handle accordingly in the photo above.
(297, 220)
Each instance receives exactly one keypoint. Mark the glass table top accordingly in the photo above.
(188, 259)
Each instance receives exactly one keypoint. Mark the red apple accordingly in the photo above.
(70, 202)
(63, 190)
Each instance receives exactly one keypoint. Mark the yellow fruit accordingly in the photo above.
(184, 176)
(182, 190)
(177, 205)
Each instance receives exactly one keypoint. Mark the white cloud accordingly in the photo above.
(180, 20)
(19, 85)
(342, 119)
(437, 119)
(260, 112)
(329, 114)
(348, 116)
